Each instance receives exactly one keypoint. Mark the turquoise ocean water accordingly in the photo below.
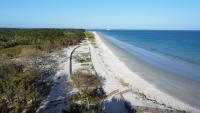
(169, 60)
(174, 51)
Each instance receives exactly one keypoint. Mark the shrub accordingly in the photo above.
(18, 89)
(13, 40)
(85, 80)
(90, 35)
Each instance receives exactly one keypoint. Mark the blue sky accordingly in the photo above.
(118, 14)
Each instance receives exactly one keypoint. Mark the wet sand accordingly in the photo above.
(183, 89)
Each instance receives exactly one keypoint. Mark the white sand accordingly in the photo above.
(112, 69)
(60, 90)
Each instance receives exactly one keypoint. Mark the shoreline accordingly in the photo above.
(174, 85)
(171, 64)
(117, 68)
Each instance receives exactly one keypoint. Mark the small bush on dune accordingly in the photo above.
(7, 70)
(85, 80)
(90, 35)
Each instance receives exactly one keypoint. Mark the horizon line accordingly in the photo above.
(98, 28)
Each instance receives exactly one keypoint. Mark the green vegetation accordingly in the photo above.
(91, 38)
(89, 35)
(85, 80)
(20, 90)
(12, 41)
(82, 57)
(90, 93)
(22, 82)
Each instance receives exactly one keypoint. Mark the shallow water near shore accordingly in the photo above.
(179, 86)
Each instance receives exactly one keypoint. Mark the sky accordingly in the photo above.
(101, 14)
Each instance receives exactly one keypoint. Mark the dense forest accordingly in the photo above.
(43, 39)
(22, 86)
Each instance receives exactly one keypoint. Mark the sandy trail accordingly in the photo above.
(56, 100)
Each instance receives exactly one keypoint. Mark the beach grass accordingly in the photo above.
(85, 80)
(91, 38)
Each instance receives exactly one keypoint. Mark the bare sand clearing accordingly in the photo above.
(60, 89)
(135, 90)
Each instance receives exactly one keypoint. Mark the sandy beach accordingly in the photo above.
(119, 77)
(121, 84)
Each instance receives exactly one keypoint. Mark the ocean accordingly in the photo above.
(169, 60)
(174, 51)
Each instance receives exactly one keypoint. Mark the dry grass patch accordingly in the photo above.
(85, 80)
(82, 57)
